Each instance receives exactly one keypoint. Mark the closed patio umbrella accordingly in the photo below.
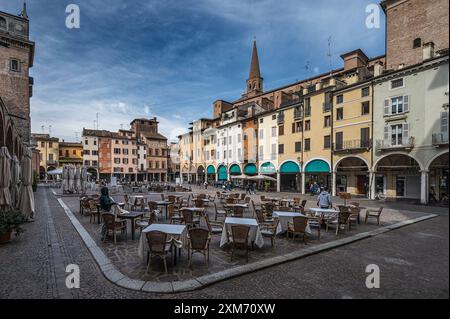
(71, 178)
(5, 178)
(15, 181)
(84, 178)
(26, 201)
(65, 177)
(78, 179)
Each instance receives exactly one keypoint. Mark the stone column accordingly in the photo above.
(372, 184)
(303, 180)
(333, 183)
(424, 187)
(278, 182)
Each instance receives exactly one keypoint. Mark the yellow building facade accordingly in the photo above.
(70, 153)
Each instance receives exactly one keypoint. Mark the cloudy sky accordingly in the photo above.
(173, 58)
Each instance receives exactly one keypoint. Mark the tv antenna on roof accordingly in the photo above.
(330, 40)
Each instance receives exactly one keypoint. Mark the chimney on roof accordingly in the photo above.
(378, 69)
(319, 86)
(428, 51)
(354, 59)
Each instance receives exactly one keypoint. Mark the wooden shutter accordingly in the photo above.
(387, 128)
(293, 128)
(406, 103)
(387, 107)
(444, 122)
(406, 129)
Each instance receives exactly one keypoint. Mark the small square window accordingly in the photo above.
(417, 43)
(340, 99)
(365, 92)
(14, 65)
(398, 83)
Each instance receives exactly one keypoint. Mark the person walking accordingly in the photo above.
(324, 199)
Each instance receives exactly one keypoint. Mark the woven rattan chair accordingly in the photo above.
(238, 211)
(145, 221)
(188, 218)
(158, 246)
(175, 216)
(372, 213)
(214, 227)
(354, 216)
(341, 220)
(218, 212)
(298, 227)
(199, 239)
(270, 230)
(239, 236)
(110, 224)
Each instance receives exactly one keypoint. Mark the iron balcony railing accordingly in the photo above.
(351, 145)
(391, 144)
(440, 138)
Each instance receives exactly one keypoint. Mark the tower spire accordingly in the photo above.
(24, 13)
(254, 66)
(255, 81)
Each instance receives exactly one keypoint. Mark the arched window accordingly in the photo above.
(2, 23)
(417, 43)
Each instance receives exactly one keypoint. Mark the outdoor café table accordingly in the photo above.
(132, 217)
(164, 203)
(235, 205)
(285, 218)
(324, 211)
(255, 236)
(178, 232)
(195, 210)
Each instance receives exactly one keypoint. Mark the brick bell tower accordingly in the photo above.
(255, 81)
(16, 59)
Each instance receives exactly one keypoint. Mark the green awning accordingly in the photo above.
(290, 168)
(268, 168)
(317, 166)
(211, 169)
(250, 169)
(223, 175)
(235, 170)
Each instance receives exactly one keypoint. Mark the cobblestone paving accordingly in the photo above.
(125, 253)
(414, 263)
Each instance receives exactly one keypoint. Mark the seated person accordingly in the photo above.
(106, 202)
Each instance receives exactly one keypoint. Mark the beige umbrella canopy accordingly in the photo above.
(26, 201)
(15, 181)
(262, 178)
(243, 177)
(5, 177)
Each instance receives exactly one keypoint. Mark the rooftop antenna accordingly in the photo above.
(97, 118)
(76, 136)
(50, 129)
(329, 55)
(94, 124)
(43, 129)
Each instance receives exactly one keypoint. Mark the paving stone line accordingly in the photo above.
(115, 276)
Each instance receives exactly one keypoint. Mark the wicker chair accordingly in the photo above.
(371, 213)
(127, 201)
(139, 203)
(110, 224)
(157, 246)
(341, 220)
(238, 211)
(188, 218)
(174, 215)
(223, 213)
(261, 219)
(239, 236)
(199, 239)
(93, 210)
(270, 230)
(145, 221)
(199, 203)
(354, 216)
(298, 227)
(214, 227)
(268, 209)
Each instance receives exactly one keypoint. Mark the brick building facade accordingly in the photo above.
(16, 59)
(409, 25)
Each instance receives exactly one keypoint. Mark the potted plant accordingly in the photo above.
(10, 221)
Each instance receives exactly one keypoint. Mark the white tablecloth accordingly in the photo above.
(254, 235)
(178, 232)
(285, 218)
(323, 211)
